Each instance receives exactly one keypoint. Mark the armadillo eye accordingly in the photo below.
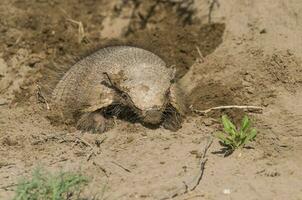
(125, 96)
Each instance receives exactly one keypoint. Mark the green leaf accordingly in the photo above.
(229, 127)
(234, 133)
(243, 140)
(250, 137)
(245, 124)
(225, 140)
(252, 134)
(44, 185)
(234, 138)
(229, 141)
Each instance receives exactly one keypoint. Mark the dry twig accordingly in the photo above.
(84, 142)
(92, 150)
(202, 163)
(81, 31)
(195, 182)
(101, 168)
(57, 161)
(249, 108)
(90, 155)
(200, 54)
(119, 165)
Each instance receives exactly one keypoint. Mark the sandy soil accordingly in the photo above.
(251, 55)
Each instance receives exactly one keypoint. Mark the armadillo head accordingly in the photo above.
(147, 84)
(144, 82)
(148, 90)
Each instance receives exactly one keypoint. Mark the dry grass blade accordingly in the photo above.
(81, 31)
(249, 108)
(201, 57)
(119, 165)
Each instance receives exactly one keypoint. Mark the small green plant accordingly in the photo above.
(232, 138)
(46, 186)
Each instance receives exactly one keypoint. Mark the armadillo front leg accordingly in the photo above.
(172, 120)
(94, 122)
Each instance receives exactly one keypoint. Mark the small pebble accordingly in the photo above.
(226, 191)
(263, 31)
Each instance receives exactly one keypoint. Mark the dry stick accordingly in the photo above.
(92, 152)
(101, 168)
(101, 142)
(84, 142)
(57, 161)
(203, 112)
(90, 155)
(200, 54)
(119, 165)
(202, 162)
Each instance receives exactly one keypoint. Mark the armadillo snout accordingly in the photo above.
(152, 116)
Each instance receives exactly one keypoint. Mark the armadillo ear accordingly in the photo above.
(178, 99)
(173, 73)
